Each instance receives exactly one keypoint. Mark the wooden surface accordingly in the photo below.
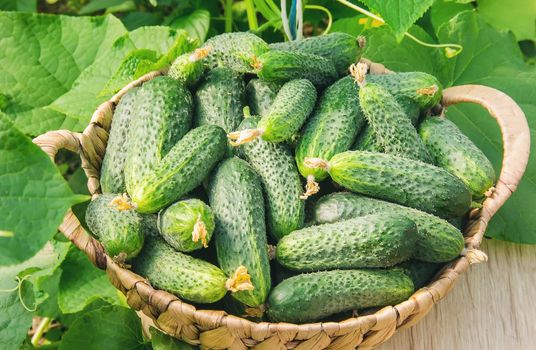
(492, 307)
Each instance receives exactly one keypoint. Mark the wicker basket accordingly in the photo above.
(217, 330)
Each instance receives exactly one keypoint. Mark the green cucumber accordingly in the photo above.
(313, 296)
(437, 239)
(121, 232)
(235, 196)
(420, 272)
(181, 170)
(332, 128)
(291, 107)
(220, 100)
(408, 182)
(456, 153)
(282, 66)
(189, 278)
(162, 116)
(189, 67)
(234, 50)
(260, 95)
(379, 240)
(112, 177)
(187, 225)
(392, 129)
(281, 182)
(340, 48)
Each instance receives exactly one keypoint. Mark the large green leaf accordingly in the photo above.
(34, 196)
(399, 15)
(18, 5)
(41, 58)
(519, 16)
(444, 10)
(161, 341)
(348, 25)
(110, 328)
(14, 321)
(196, 24)
(82, 283)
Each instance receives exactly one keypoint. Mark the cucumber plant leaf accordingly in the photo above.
(34, 197)
(18, 5)
(519, 16)
(196, 24)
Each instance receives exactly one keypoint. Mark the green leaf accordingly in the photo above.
(82, 283)
(41, 58)
(110, 328)
(19, 5)
(348, 25)
(161, 341)
(34, 196)
(97, 5)
(133, 20)
(82, 100)
(443, 11)
(493, 59)
(519, 16)
(196, 24)
(399, 15)
(14, 321)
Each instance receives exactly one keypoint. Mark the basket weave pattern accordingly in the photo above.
(218, 330)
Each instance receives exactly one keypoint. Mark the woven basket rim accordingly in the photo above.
(217, 329)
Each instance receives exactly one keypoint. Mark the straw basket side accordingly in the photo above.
(214, 329)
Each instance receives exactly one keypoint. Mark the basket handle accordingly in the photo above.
(516, 145)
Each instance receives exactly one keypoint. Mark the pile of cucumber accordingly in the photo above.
(282, 182)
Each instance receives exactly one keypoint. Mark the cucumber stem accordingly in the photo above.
(200, 232)
(244, 136)
(122, 202)
(240, 281)
(311, 187)
(41, 329)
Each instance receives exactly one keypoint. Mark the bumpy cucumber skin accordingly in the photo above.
(220, 100)
(187, 277)
(163, 115)
(281, 182)
(456, 153)
(437, 240)
(291, 107)
(408, 182)
(260, 95)
(282, 66)
(183, 169)
(420, 272)
(379, 240)
(366, 139)
(313, 296)
(393, 130)
(340, 48)
(186, 71)
(234, 51)
(176, 223)
(235, 196)
(119, 231)
(411, 85)
(332, 127)
(112, 177)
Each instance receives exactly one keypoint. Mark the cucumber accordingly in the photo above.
(291, 107)
(366, 139)
(456, 153)
(393, 131)
(379, 240)
(282, 66)
(220, 100)
(112, 177)
(332, 129)
(281, 182)
(260, 95)
(121, 232)
(189, 278)
(404, 181)
(234, 51)
(313, 296)
(420, 272)
(437, 239)
(162, 116)
(340, 48)
(189, 67)
(235, 196)
(187, 225)
(181, 170)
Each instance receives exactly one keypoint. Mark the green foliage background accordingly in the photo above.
(59, 59)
